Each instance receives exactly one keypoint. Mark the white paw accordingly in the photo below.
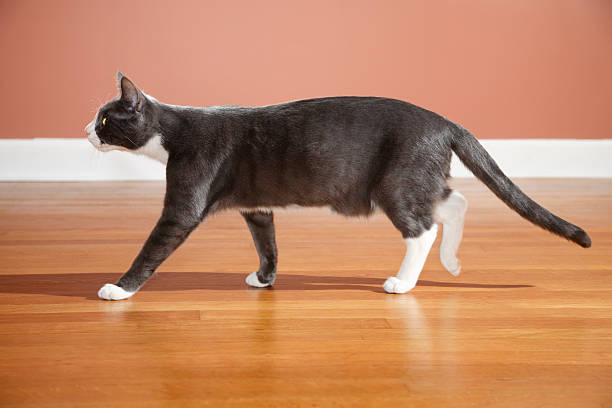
(252, 280)
(395, 285)
(452, 265)
(113, 292)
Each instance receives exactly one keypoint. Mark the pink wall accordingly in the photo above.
(502, 68)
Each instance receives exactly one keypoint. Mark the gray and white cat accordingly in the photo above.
(352, 154)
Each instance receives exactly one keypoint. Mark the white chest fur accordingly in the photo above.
(154, 149)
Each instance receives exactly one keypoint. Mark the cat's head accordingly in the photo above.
(127, 122)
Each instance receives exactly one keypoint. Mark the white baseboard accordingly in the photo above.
(71, 160)
(77, 160)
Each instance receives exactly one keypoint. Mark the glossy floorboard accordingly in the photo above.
(528, 322)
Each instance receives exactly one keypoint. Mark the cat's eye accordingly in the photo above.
(104, 121)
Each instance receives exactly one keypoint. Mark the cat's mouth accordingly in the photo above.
(92, 136)
(99, 144)
(106, 147)
(95, 141)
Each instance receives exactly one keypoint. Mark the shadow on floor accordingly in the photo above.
(87, 284)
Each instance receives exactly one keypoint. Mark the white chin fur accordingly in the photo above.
(95, 141)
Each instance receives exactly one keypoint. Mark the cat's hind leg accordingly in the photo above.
(451, 214)
(261, 225)
(417, 249)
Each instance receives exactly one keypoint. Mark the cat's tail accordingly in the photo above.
(476, 158)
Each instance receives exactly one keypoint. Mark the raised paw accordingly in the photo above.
(113, 292)
(395, 285)
(452, 265)
(252, 280)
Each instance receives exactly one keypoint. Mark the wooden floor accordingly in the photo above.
(527, 324)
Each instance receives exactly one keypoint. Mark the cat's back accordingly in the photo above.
(364, 112)
(343, 117)
(367, 105)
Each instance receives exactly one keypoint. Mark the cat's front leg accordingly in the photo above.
(180, 216)
(261, 225)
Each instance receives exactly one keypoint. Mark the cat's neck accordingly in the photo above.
(154, 149)
(185, 127)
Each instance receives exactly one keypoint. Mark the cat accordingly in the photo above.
(352, 154)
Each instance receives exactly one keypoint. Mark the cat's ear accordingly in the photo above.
(130, 94)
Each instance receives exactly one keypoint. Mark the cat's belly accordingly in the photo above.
(335, 209)
(347, 203)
